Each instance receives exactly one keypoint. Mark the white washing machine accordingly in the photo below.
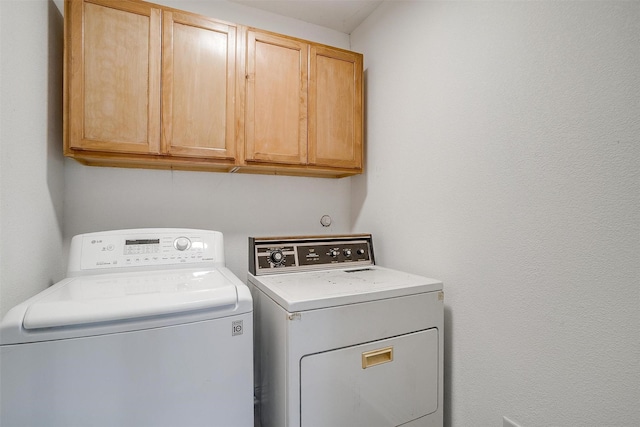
(149, 329)
(340, 341)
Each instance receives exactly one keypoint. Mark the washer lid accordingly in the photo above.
(328, 288)
(114, 297)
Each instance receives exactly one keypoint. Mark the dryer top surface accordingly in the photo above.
(328, 288)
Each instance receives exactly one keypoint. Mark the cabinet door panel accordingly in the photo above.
(115, 83)
(335, 108)
(198, 87)
(276, 109)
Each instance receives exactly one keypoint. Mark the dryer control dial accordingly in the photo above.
(276, 257)
(182, 243)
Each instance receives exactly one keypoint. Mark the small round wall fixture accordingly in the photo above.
(325, 220)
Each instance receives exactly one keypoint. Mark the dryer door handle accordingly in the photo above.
(377, 357)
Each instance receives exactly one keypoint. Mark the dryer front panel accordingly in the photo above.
(384, 383)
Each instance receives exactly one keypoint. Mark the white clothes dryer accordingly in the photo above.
(340, 341)
(149, 329)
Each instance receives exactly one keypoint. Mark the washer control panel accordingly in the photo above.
(144, 248)
(291, 254)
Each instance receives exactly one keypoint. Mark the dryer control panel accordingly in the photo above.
(269, 255)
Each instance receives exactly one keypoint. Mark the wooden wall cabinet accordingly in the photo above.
(304, 105)
(154, 87)
(149, 87)
(198, 87)
(335, 108)
(276, 107)
(113, 76)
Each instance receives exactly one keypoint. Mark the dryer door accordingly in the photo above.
(385, 383)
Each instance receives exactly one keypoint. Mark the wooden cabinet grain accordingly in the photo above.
(198, 87)
(149, 86)
(335, 108)
(155, 87)
(276, 108)
(113, 76)
(304, 104)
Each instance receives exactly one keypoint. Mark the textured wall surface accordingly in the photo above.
(238, 205)
(503, 157)
(31, 163)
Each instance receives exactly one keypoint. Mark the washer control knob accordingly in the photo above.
(347, 252)
(360, 251)
(182, 243)
(334, 253)
(276, 257)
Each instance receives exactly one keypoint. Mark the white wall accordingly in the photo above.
(503, 157)
(31, 162)
(238, 205)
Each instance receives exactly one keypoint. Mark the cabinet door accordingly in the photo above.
(276, 107)
(335, 108)
(198, 86)
(113, 76)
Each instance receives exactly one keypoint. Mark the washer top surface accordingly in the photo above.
(328, 288)
(104, 298)
(126, 280)
(109, 303)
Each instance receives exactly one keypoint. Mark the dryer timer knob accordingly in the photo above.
(276, 257)
(182, 243)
